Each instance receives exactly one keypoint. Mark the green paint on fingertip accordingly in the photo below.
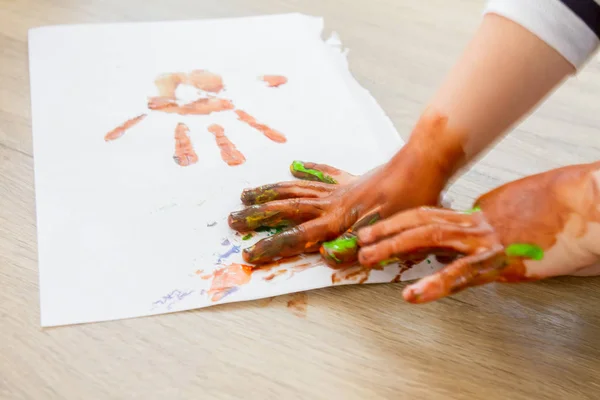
(525, 250)
(473, 210)
(342, 244)
(298, 166)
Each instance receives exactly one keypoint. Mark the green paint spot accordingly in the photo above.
(248, 236)
(473, 210)
(342, 244)
(525, 250)
(374, 219)
(298, 166)
(428, 261)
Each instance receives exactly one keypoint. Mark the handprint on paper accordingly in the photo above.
(209, 85)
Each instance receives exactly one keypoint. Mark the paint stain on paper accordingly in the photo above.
(298, 304)
(208, 85)
(121, 129)
(353, 274)
(275, 274)
(234, 249)
(171, 299)
(228, 279)
(229, 153)
(267, 131)
(184, 151)
(274, 80)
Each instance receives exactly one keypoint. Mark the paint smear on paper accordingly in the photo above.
(226, 280)
(275, 274)
(202, 106)
(229, 153)
(265, 302)
(353, 274)
(121, 129)
(201, 79)
(233, 250)
(274, 80)
(184, 151)
(298, 305)
(267, 131)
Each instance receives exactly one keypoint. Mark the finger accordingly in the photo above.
(410, 219)
(424, 239)
(320, 172)
(344, 250)
(286, 190)
(304, 238)
(476, 269)
(275, 214)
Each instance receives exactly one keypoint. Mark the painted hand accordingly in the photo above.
(540, 226)
(324, 212)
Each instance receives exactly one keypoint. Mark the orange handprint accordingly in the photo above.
(210, 84)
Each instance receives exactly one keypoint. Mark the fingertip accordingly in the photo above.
(367, 256)
(248, 255)
(365, 236)
(410, 294)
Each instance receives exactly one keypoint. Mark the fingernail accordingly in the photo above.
(364, 235)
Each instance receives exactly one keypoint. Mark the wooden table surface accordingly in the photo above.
(529, 341)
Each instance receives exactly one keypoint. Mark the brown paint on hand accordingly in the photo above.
(184, 151)
(202, 106)
(267, 131)
(274, 80)
(229, 153)
(121, 129)
(298, 305)
(227, 278)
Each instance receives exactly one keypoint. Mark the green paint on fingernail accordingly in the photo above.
(248, 236)
(298, 166)
(473, 210)
(342, 244)
(525, 250)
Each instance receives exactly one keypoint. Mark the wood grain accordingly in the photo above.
(527, 341)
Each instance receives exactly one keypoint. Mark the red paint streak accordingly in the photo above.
(121, 129)
(184, 151)
(227, 278)
(274, 80)
(354, 274)
(206, 277)
(199, 271)
(298, 304)
(229, 153)
(268, 132)
(275, 274)
(203, 106)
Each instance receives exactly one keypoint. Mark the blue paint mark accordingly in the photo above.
(225, 242)
(227, 292)
(233, 250)
(170, 299)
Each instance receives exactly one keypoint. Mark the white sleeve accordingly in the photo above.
(571, 27)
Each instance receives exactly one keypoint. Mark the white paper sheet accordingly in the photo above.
(123, 231)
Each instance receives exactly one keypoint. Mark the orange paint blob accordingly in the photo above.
(298, 304)
(184, 151)
(229, 278)
(121, 129)
(267, 131)
(229, 153)
(274, 80)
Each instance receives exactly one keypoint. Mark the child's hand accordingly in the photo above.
(540, 226)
